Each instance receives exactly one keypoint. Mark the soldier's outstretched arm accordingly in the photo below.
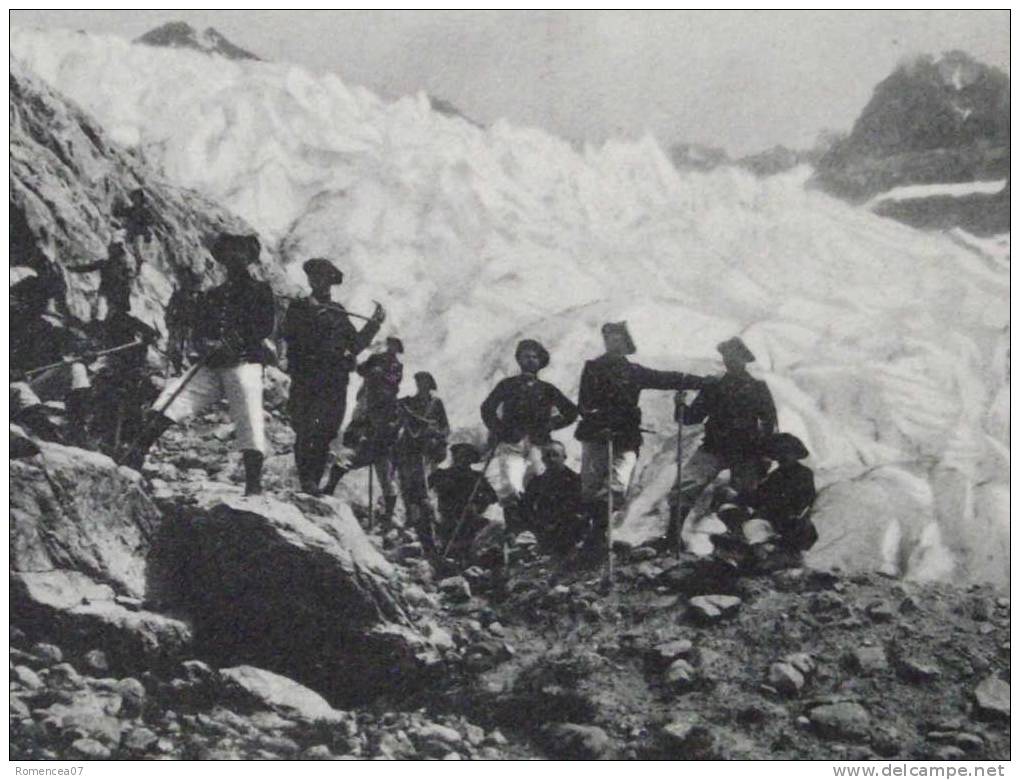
(87, 268)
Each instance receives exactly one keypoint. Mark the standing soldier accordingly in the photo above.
(322, 349)
(234, 320)
(181, 314)
(610, 389)
(520, 416)
(373, 429)
(117, 271)
(421, 444)
(741, 416)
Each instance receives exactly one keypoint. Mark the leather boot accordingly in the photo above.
(253, 460)
(155, 426)
(389, 505)
(335, 475)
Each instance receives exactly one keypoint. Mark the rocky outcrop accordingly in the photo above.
(67, 183)
(81, 532)
(181, 35)
(933, 120)
(296, 588)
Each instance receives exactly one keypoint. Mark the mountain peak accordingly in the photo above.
(181, 35)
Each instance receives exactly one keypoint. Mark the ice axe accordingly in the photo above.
(90, 356)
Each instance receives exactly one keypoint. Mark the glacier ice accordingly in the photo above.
(886, 347)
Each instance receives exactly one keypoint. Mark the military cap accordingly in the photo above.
(736, 348)
(621, 329)
(320, 266)
(229, 247)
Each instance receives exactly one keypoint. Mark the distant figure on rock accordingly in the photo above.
(117, 271)
(372, 433)
(180, 316)
(40, 339)
(610, 389)
(465, 498)
(421, 444)
(741, 416)
(322, 350)
(521, 413)
(552, 505)
(234, 320)
(135, 216)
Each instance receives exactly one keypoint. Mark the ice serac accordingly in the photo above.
(886, 347)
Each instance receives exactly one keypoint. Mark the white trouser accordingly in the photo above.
(595, 468)
(242, 387)
(512, 468)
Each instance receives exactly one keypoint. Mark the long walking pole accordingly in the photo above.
(679, 520)
(371, 497)
(609, 518)
(467, 505)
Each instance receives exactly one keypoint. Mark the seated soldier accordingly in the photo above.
(464, 496)
(785, 496)
(552, 503)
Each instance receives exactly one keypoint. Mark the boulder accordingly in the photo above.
(252, 688)
(844, 720)
(686, 737)
(575, 741)
(295, 588)
(785, 678)
(680, 676)
(868, 660)
(713, 608)
(991, 699)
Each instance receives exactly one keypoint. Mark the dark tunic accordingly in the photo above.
(741, 415)
(610, 389)
(453, 487)
(241, 311)
(552, 507)
(422, 422)
(37, 341)
(522, 406)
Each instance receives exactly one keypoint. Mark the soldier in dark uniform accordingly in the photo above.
(322, 350)
(135, 216)
(521, 412)
(180, 317)
(741, 416)
(610, 389)
(234, 321)
(372, 433)
(786, 495)
(462, 494)
(552, 503)
(39, 339)
(117, 271)
(421, 444)
(122, 388)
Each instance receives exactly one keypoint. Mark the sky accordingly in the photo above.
(741, 80)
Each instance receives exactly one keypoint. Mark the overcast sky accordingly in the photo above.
(741, 80)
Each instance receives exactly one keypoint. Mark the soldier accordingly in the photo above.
(741, 415)
(552, 502)
(785, 496)
(135, 216)
(521, 412)
(421, 444)
(373, 429)
(40, 339)
(117, 271)
(465, 497)
(322, 348)
(610, 388)
(122, 388)
(234, 320)
(181, 314)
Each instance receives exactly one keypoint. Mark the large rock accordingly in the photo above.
(81, 536)
(991, 698)
(259, 689)
(295, 588)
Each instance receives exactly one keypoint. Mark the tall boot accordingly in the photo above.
(389, 506)
(336, 473)
(77, 404)
(253, 460)
(155, 426)
(303, 461)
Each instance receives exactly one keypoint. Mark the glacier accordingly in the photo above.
(886, 348)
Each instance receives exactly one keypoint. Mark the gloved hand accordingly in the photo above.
(379, 315)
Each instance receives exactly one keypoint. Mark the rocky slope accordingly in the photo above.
(681, 660)
(67, 180)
